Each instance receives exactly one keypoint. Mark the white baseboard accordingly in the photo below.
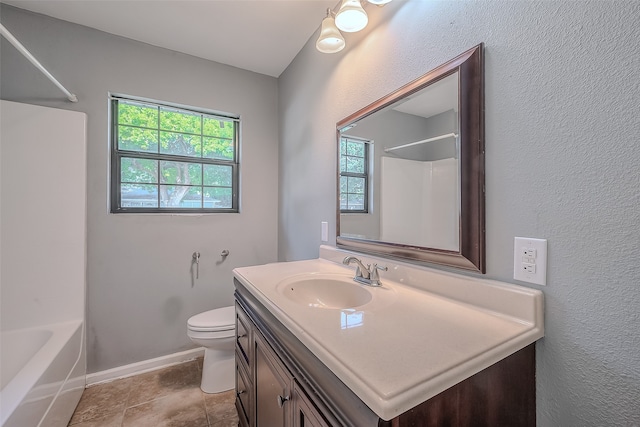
(143, 366)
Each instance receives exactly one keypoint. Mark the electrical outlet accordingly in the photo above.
(530, 260)
(324, 231)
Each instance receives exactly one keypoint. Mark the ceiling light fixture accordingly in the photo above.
(350, 18)
(330, 40)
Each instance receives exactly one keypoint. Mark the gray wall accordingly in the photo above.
(562, 156)
(139, 285)
(392, 128)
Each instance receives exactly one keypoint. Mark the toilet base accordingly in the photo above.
(218, 371)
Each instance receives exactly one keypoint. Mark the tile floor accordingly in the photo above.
(169, 397)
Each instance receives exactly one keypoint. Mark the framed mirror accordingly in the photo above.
(411, 170)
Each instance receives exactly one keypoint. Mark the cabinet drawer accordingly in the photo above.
(243, 331)
(243, 395)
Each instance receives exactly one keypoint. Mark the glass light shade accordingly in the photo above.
(351, 17)
(330, 40)
(379, 2)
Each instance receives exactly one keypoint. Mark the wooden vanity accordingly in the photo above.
(281, 383)
(289, 374)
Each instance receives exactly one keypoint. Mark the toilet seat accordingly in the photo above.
(221, 319)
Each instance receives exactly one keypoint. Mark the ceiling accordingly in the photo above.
(435, 99)
(257, 35)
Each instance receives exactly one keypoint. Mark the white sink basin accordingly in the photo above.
(325, 291)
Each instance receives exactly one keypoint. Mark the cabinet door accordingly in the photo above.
(305, 413)
(273, 387)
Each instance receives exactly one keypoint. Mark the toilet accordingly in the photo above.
(215, 330)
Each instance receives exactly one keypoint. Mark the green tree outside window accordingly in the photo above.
(167, 159)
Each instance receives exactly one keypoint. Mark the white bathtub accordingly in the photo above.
(42, 373)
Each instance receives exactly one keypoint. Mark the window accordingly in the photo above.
(354, 175)
(169, 159)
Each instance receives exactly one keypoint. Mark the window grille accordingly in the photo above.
(172, 159)
(354, 175)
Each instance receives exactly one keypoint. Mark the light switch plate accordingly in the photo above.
(530, 260)
(324, 232)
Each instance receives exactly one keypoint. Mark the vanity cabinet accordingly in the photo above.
(280, 382)
(267, 393)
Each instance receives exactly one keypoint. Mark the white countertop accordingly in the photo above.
(424, 330)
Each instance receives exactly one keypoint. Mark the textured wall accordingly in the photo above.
(562, 143)
(139, 285)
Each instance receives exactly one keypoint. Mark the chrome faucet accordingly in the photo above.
(366, 275)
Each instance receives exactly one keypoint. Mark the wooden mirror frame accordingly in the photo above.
(471, 253)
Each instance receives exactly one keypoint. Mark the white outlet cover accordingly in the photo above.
(522, 259)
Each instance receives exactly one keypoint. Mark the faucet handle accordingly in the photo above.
(377, 267)
(375, 277)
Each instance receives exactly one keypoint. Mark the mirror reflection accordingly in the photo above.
(399, 171)
(411, 170)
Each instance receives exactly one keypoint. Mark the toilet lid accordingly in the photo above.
(220, 319)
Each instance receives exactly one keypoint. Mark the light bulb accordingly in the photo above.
(351, 17)
(330, 40)
(379, 2)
